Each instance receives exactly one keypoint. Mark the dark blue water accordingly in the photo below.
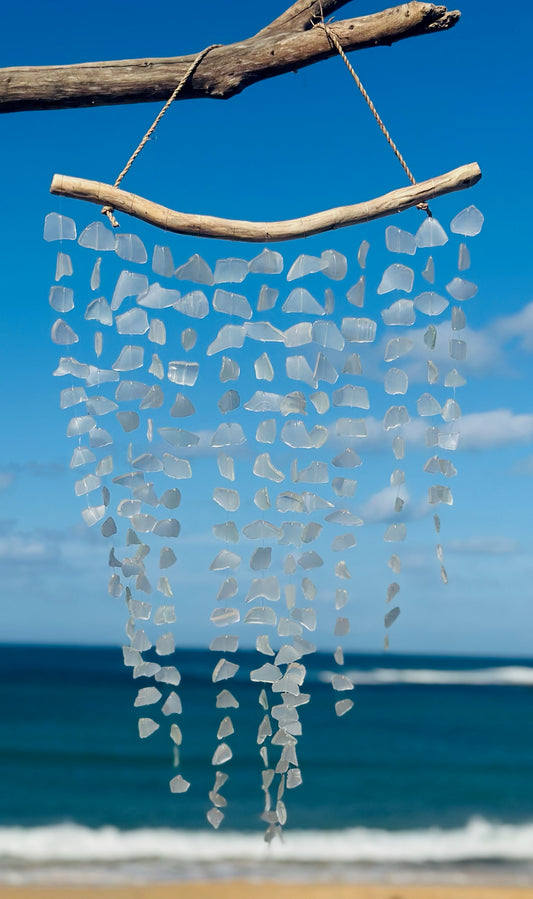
(407, 755)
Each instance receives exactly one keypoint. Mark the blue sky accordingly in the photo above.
(285, 147)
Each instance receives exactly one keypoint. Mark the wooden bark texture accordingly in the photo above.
(287, 44)
(264, 232)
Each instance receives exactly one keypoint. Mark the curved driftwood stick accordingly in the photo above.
(287, 44)
(264, 232)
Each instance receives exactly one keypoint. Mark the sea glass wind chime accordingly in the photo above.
(146, 354)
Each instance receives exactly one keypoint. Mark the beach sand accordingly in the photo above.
(247, 890)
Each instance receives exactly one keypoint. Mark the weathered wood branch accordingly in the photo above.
(264, 232)
(289, 43)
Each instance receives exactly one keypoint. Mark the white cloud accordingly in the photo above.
(499, 546)
(19, 548)
(518, 325)
(380, 506)
(499, 427)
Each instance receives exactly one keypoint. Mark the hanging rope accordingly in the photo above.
(338, 46)
(108, 210)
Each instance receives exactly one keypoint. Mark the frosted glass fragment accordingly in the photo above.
(59, 227)
(267, 674)
(464, 258)
(167, 527)
(224, 616)
(61, 298)
(451, 410)
(397, 477)
(80, 424)
(172, 704)
(433, 372)
(261, 558)
(264, 332)
(224, 643)
(223, 670)
(128, 419)
(430, 303)
(320, 401)
(438, 493)
(165, 645)
(231, 304)
(165, 614)
(344, 517)
(340, 682)
(129, 358)
(324, 370)
(260, 530)
(468, 222)
(261, 615)
(356, 294)
(147, 726)
(267, 298)
(196, 270)
(162, 262)
(315, 473)
(157, 332)
(263, 368)
(429, 271)
(226, 531)
(398, 241)
(63, 334)
(327, 335)
(306, 617)
(351, 395)
(86, 485)
(289, 502)
(108, 528)
(343, 706)
(178, 784)
(70, 366)
(268, 262)
(396, 277)
(228, 433)
(460, 289)
(262, 499)
(359, 330)
(311, 531)
(342, 542)
(298, 335)
(266, 431)
(395, 416)
(267, 587)
(193, 304)
(225, 728)
(129, 284)
(309, 560)
(391, 616)
(229, 370)
(179, 437)
(392, 590)
(71, 396)
(226, 466)
(396, 381)
(228, 589)
(458, 319)
(227, 498)
(263, 468)
(226, 700)
(398, 447)
(400, 313)
(221, 755)
(131, 248)
(99, 437)
(431, 233)
(93, 514)
(295, 434)
(454, 379)
(100, 405)
(183, 373)
(298, 369)
(344, 486)
(225, 559)
(397, 347)
(229, 336)
(234, 270)
(336, 265)
(263, 646)
(428, 405)
(395, 533)
(347, 459)
(306, 265)
(458, 349)
(97, 237)
(168, 675)
(302, 302)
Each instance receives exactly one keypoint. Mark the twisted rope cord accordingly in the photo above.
(338, 46)
(108, 210)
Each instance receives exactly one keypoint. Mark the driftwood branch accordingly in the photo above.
(265, 232)
(289, 43)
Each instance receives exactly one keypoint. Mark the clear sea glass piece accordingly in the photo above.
(86, 485)
(165, 645)
(294, 434)
(399, 241)
(428, 405)
(129, 358)
(130, 247)
(193, 304)
(398, 447)
(263, 368)
(396, 381)
(128, 419)
(429, 271)
(266, 431)
(344, 517)
(458, 319)
(451, 410)
(342, 542)
(311, 531)
(298, 369)
(298, 335)
(336, 265)
(356, 294)
(458, 349)
(468, 222)
(400, 313)
(309, 560)
(222, 754)
(460, 289)
(261, 530)
(156, 367)
(263, 646)
(178, 784)
(396, 277)
(171, 498)
(59, 227)
(464, 258)
(228, 589)
(300, 301)
(391, 616)
(454, 379)
(229, 370)
(188, 339)
(320, 401)
(153, 398)
(225, 728)
(397, 347)
(344, 486)
(165, 614)
(230, 270)
(226, 700)
(264, 332)
(395, 533)
(351, 395)
(227, 498)
(343, 706)
(226, 531)
(229, 401)
(430, 303)
(224, 616)
(267, 587)
(262, 499)
(223, 670)
(172, 704)
(324, 370)
(261, 558)
(342, 627)
(362, 253)
(293, 403)
(430, 337)
(225, 559)
(63, 334)
(263, 468)
(231, 304)
(229, 336)
(329, 301)
(306, 265)
(224, 643)
(315, 473)
(431, 233)
(228, 434)
(340, 682)
(98, 343)
(108, 528)
(71, 396)
(92, 514)
(99, 437)
(196, 270)
(359, 330)
(306, 617)
(80, 424)
(129, 284)
(326, 334)
(147, 726)
(183, 373)
(392, 590)
(226, 466)
(179, 437)
(268, 262)
(61, 298)
(433, 372)
(162, 262)
(395, 416)
(347, 459)
(341, 598)
(157, 332)
(104, 466)
(267, 674)
(267, 298)
(261, 615)
(100, 405)
(97, 237)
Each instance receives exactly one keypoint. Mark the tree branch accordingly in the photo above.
(290, 42)
(264, 232)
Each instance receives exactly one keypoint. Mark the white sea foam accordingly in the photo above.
(505, 676)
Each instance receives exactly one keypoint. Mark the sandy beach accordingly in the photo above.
(243, 890)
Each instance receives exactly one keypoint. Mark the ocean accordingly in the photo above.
(428, 778)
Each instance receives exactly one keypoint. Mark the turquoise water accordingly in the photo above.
(433, 766)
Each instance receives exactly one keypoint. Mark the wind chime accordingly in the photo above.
(128, 390)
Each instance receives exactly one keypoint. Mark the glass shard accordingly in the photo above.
(59, 227)
(221, 755)
(396, 381)
(196, 270)
(431, 233)
(225, 559)
(267, 674)
(430, 303)
(400, 313)
(397, 347)
(147, 726)
(395, 416)
(63, 334)
(458, 319)
(228, 434)
(464, 258)
(336, 265)
(306, 265)
(396, 277)
(428, 405)
(97, 237)
(362, 253)
(320, 400)
(263, 646)
(343, 706)
(224, 643)
(130, 247)
(223, 670)
(460, 289)
(356, 294)
(263, 368)
(457, 349)
(229, 336)
(468, 222)
(395, 533)
(359, 330)
(261, 558)
(347, 459)
(226, 531)
(226, 700)
(263, 468)
(268, 262)
(230, 270)
(398, 241)
(61, 298)
(224, 617)
(262, 499)
(227, 498)
(298, 335)
(157, 332)
(229, 401)
(351, 395)
(429, 271)
(261, 615)
(183, 373)
(228, 589)
(267, 298)
(231, 304)
(129, 284)
(298, 369)
(391, 616)
(454, 379)
(172, 704)
(309, 560)
(162, 262)
(302, 302)
(266, 431)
